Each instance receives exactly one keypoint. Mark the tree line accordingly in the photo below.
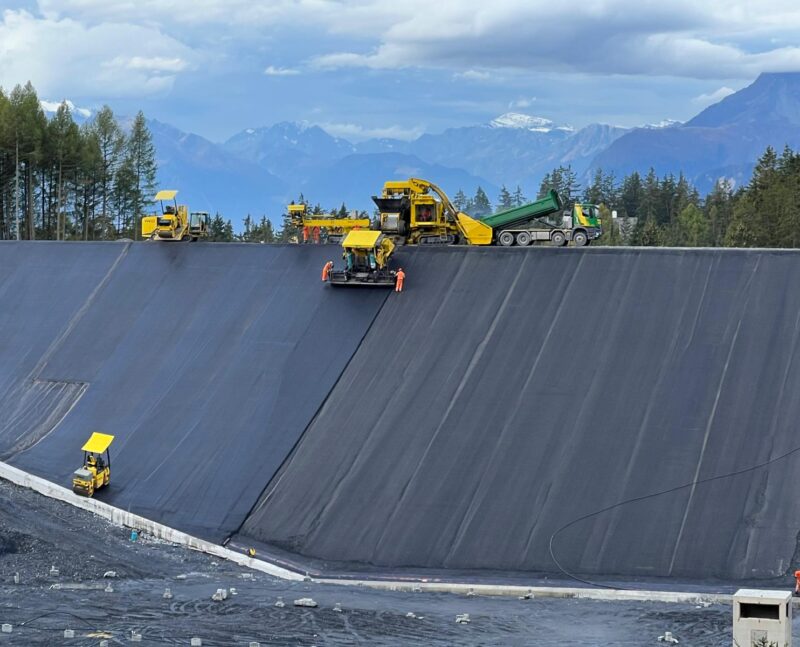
(62, 181)
(669, 211)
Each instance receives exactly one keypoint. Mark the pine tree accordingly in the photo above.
(505, 200)
(140, 156)
(480, 204)
(110, 141)
(518, 198)
(460, 200)
(64, 152)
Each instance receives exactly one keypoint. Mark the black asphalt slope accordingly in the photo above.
(508, 392)
(206, 361)
(43, 288)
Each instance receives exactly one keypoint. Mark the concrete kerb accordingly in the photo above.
(122, 518)
(618, 595)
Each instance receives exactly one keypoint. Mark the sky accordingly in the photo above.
(394, 68)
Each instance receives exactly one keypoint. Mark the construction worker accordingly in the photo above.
(315, 234)
(797, 583)
(399, 278)
(326, 270)
(305, 234)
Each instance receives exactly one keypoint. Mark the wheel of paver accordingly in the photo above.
(186, 237)
(580, 238)
(523, 239)
(558, 239)
(506, 239)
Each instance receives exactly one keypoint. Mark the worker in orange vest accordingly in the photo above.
(326, 270)
(305, 234)
(400, 277)
(315, 234)
(797, 582)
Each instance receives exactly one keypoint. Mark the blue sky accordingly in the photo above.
(363, 68)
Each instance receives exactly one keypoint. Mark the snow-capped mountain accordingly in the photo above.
(517, 120)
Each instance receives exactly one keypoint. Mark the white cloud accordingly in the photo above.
(525, 102)
(473, 75)
(355, 132)
(714, 39)
(271, 70)
(64, 56)
(713, 97)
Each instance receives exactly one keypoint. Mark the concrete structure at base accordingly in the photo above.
(505, 394)
(762, 618)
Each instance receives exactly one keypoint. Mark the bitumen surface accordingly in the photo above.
(509, 393)
(631, 409)
(37, 534)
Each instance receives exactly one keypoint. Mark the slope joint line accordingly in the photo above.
(277, 476)
(476, 357)
(711, 422)
(613, 522)
(54, 347)
(521, 396)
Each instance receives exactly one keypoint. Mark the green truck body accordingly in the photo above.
(527, 223)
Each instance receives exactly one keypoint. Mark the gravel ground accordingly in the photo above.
(37, 534)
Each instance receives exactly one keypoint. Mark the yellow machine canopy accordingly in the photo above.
(166, 195)
(98, 443)
(361, 239)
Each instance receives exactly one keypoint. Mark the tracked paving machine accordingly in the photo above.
(366, 257)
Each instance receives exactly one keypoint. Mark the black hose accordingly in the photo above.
(644, 497)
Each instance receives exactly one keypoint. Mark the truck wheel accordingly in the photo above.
(580, 239)
(523, 239)
(506, 239)
(558, 239)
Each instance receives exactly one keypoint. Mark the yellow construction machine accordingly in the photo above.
(310, 224)
(96, 471)
(366, 257)
(175, 221)
(418, 212)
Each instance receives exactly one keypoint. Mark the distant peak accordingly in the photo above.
(664, 123)
(51, 107)
(520, 121)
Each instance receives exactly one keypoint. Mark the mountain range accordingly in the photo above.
(259, 170)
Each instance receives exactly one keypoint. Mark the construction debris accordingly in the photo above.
(305, 602)
(463, 619)
(220, 595)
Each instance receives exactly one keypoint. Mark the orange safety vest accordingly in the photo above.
(401, 276)
(326, 270)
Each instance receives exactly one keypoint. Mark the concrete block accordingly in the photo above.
(197, 642)
(6, 629)
(69, 633)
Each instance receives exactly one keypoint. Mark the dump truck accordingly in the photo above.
(175, 223)
(96, 471)
(336, 227)
(366, 255)
(538, 222)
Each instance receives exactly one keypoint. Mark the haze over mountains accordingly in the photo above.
(259, 170)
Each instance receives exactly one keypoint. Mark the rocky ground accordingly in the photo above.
(61, 555)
